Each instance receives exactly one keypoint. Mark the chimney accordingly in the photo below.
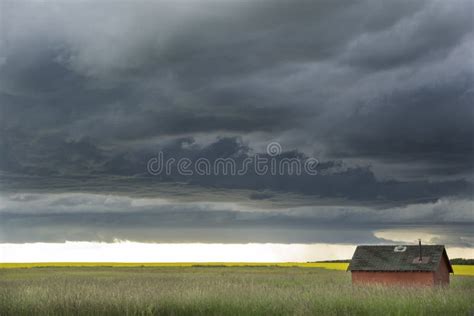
(419, 246)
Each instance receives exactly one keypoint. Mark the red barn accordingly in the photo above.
(405, 265)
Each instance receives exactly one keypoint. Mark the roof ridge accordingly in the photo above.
(405, 245)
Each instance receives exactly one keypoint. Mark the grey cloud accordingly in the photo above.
(80, 163)
(432, 124)
(381, 93)
(61, 217)
(427, 34)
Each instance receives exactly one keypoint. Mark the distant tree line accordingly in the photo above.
(456, 261)
(333, 261)
(461, 261)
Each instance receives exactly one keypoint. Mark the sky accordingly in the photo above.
(95, 94)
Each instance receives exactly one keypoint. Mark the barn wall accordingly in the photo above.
(441, 276)
(402, 278)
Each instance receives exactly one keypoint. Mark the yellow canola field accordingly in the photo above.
(458, 269)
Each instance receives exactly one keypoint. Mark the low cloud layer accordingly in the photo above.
(89, 217)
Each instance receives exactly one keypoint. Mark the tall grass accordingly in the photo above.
(218, 291)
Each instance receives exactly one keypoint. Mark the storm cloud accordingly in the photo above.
(92, 217)
(380, 93)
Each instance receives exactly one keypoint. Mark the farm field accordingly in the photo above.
(217, 290)
(458, 269)
(325, 265)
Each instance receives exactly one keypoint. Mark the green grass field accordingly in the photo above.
(217, 290)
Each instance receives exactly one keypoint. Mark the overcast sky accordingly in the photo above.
(381, 93)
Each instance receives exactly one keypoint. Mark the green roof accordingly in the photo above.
(398, 258)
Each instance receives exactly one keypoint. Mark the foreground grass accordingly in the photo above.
(217, 291)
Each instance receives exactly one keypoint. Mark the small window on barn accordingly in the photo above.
(399, 249)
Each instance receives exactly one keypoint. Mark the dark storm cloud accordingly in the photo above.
(82, 163)
(379, 92)
(342, 74)
(433, 124)
(419, 36)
